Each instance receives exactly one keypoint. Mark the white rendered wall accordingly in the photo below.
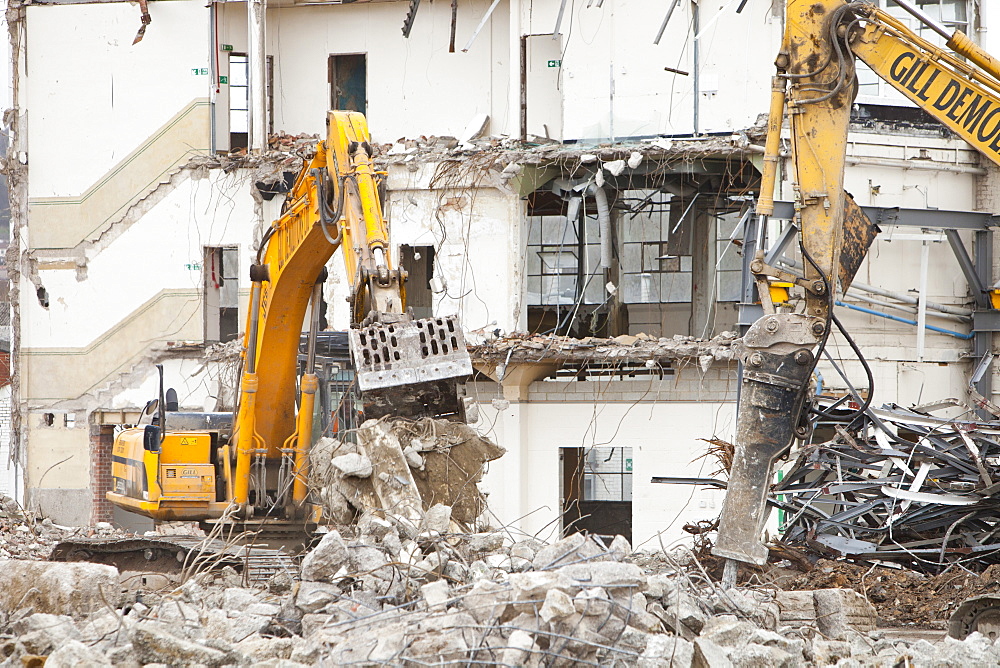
(476, 232)
(164, 249)
(610, 47)
(415, 86)
(93, 97)
(523, 485)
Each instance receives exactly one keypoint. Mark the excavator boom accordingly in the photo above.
(816, 84)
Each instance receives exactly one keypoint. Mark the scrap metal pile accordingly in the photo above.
(904, 486)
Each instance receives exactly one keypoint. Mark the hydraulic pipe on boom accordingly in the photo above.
(814, 87)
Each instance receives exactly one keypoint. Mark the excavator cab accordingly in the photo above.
(169, 466)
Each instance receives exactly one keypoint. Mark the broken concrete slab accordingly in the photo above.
(326, 559)
(353, 465)
(75, 589)
(154, 644)
(74, 654)
(840, 610)
(573, 549)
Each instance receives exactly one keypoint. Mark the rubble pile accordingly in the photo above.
(637, 349)
(408, 467)
(504, 151)
(902, 597)
(376, 594)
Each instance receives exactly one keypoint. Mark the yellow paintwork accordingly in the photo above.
(294, 258)
(963, 97)
(779, 291)
(151, 483)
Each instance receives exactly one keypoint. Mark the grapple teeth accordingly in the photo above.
(408, 353)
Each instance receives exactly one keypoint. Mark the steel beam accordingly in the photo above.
(931, 218)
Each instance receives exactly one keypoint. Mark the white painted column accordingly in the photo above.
(922, 302)
(256, 12)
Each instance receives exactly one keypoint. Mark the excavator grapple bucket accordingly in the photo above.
(411, 368)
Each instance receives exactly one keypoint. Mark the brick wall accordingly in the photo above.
(101, 442)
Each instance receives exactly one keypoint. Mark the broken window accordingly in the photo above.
(597, 490)
(729, 263)
(239, 98)
(221, 270)
(418, 261)
(564, 265)
(348, 78)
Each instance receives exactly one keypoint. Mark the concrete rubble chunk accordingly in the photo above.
(353, 465)
(315, 596)
(557, 605)
(49, 630)
(438, 519)
(708, 654)
(728, 630)
(840, 610)
(487, 601)
(823, 652)
(74, 654)
(392, 479)
(520, 644)
(484, 542)
(685, 609)
(258, 648)
(66, 588)
(574, 548)
(525, 549)
(620, 548)
(436, 594)
(534, 585)
(791, 644)
(663, 650)
(754, 656)
(593, 601)
(325, 560)
(797, 608)
(754, 604)
(152, 644)
(607, 574)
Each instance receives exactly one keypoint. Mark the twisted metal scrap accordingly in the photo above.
(901, 486)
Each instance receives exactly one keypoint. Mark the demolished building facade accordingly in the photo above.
(557, 171)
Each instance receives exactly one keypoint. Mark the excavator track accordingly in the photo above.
(172, 554)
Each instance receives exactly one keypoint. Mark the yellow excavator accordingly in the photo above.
(958, 85)
(254, 464)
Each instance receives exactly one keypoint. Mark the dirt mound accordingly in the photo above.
(901, 597)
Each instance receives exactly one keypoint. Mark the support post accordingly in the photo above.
(256, 12)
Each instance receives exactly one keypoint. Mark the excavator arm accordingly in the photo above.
(334, 203)
(815, 87)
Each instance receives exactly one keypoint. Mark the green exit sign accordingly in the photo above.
(628, 465)
(555, 63)
(199, 71)
(223, 79)
(227, 47)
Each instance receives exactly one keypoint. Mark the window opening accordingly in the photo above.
(221, 272)
(348, 79)
(597, 490)
(239, 101)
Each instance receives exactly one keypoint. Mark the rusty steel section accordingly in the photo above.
(859, 233)
(406, 353)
